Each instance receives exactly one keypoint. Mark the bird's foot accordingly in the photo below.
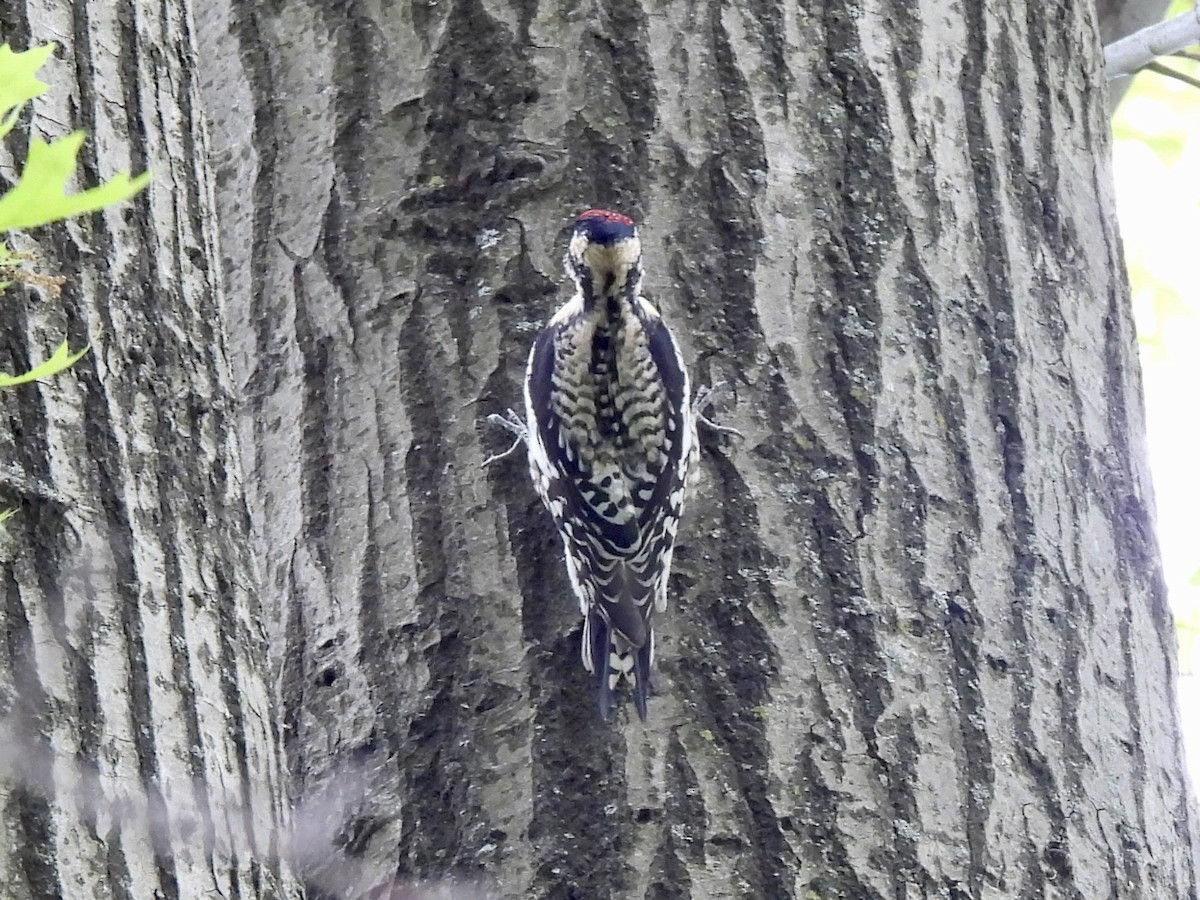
(510, 422)
(704, 399)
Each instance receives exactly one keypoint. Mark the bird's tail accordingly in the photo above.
(612, 658)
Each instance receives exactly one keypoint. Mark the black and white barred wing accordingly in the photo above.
(615, 492)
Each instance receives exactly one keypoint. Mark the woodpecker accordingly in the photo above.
(611, 433)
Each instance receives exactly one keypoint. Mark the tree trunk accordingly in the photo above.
(918, 643)
(137, 734)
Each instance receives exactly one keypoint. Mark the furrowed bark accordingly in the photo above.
(138, 745)
(918, 642)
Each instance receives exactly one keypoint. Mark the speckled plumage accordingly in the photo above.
(611, 437)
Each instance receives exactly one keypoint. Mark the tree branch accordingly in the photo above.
(1128, 55)
(1171, 73)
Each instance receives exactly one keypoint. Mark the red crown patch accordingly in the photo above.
(605, 215)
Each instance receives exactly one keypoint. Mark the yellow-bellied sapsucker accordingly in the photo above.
(611, 433)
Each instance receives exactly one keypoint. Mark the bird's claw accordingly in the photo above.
(510, 422)
(704, 399)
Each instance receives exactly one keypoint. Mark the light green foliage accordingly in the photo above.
(1187, 624)
(1155, 132)
(62, 359)
(40, 195)
(1156, 153)
(18, 82)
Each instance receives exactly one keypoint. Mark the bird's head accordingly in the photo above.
(604, 248)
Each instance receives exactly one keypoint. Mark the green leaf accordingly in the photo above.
(63, 358)
(1187, 624)
(40, 196)
(1187, 632)
(18, 81)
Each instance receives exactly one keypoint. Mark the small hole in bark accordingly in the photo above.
(726, 840)
(328, 676)
(644, 815)
(958, 612)
(367, 749)
(1055, 858)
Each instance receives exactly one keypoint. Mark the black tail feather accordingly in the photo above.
(641, 677)
(636, 666)
(601, 644)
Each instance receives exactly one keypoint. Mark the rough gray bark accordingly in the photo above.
(138, 743)
(919, 644)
